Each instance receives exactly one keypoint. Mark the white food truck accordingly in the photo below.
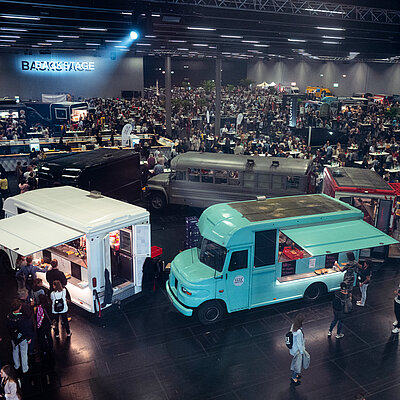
(86, 233)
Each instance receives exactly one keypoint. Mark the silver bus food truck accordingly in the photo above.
(203, 179)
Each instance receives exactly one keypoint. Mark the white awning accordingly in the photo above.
(27, 233)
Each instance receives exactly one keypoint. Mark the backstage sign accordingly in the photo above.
(57, 66)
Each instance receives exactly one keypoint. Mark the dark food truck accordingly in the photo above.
(115, 173)
(367, 191)
(202, 179)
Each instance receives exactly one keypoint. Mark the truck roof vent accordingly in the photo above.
(337, 173)
(250, 163)
(94, 194)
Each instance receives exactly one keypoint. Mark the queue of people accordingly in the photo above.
(36, 312)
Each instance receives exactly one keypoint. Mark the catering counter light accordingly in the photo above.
(87, 234)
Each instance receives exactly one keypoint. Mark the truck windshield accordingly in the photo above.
(211, 254)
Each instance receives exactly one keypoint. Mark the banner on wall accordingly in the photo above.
(56, 65)
(53, 98)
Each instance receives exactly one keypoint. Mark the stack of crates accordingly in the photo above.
(192, 232)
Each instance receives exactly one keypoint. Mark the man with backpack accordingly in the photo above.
(341, 306)
(350, 270)
(28, 273)
(20, 329)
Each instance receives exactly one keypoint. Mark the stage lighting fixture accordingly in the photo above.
(134, 35)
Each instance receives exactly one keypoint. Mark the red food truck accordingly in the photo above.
(366, 190)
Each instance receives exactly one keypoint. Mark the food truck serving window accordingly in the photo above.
(28, 233)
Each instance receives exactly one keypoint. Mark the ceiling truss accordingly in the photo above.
(301, 8)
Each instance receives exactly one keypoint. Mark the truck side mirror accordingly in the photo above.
(218, 275)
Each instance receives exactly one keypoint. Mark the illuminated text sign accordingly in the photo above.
(57, 66)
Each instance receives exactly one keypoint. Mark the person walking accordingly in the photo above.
(9, 383)
(396, 311)
(19, 328)
(363, 279)
(301, 358)
(60, 308)
(339, 304)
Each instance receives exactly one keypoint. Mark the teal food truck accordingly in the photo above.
(265, 251)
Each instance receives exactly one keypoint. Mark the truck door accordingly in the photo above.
(237, 279)
(382, 217)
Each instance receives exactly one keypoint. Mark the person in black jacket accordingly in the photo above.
(20, 329)
(43, 324)
(338, 305)
(54, 274)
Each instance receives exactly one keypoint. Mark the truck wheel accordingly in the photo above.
(315, 291)
(157, 201)
(210, 312)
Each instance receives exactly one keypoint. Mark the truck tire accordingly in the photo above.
(210, 312)
(315, 291)
(157, 201)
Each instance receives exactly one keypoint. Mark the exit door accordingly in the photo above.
(237, 280)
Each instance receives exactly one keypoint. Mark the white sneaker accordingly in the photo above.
(395, 330)
(329, 333)
(395, 323)
(360, 304)
(339, 336)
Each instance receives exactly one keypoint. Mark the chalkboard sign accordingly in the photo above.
(289, 268)
(330, 260)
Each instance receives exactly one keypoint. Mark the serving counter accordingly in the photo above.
(290, 278)
(74, 266)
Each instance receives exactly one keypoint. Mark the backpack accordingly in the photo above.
(29, 279)
(15, 333)
(289, 340)
(347, 306)
(58, 305)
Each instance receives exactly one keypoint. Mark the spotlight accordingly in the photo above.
(133, 35)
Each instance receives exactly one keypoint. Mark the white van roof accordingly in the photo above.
(75, 208)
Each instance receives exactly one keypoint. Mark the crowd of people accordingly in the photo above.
(34, 314)
(371, 142)
(13, 127)
(369, 132)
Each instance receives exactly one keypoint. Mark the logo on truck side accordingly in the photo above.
(238, 280)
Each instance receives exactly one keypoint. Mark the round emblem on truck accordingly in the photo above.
(239, 280)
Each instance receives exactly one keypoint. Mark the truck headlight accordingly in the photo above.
(186, 291)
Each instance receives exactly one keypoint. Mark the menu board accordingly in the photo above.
(289, 268)
(330, 260)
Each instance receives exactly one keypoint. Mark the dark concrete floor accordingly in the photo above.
(147, 350)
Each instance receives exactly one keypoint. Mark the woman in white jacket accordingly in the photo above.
(298, 350)
(9, 383)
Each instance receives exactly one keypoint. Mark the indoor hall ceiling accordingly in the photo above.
(245, 29)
